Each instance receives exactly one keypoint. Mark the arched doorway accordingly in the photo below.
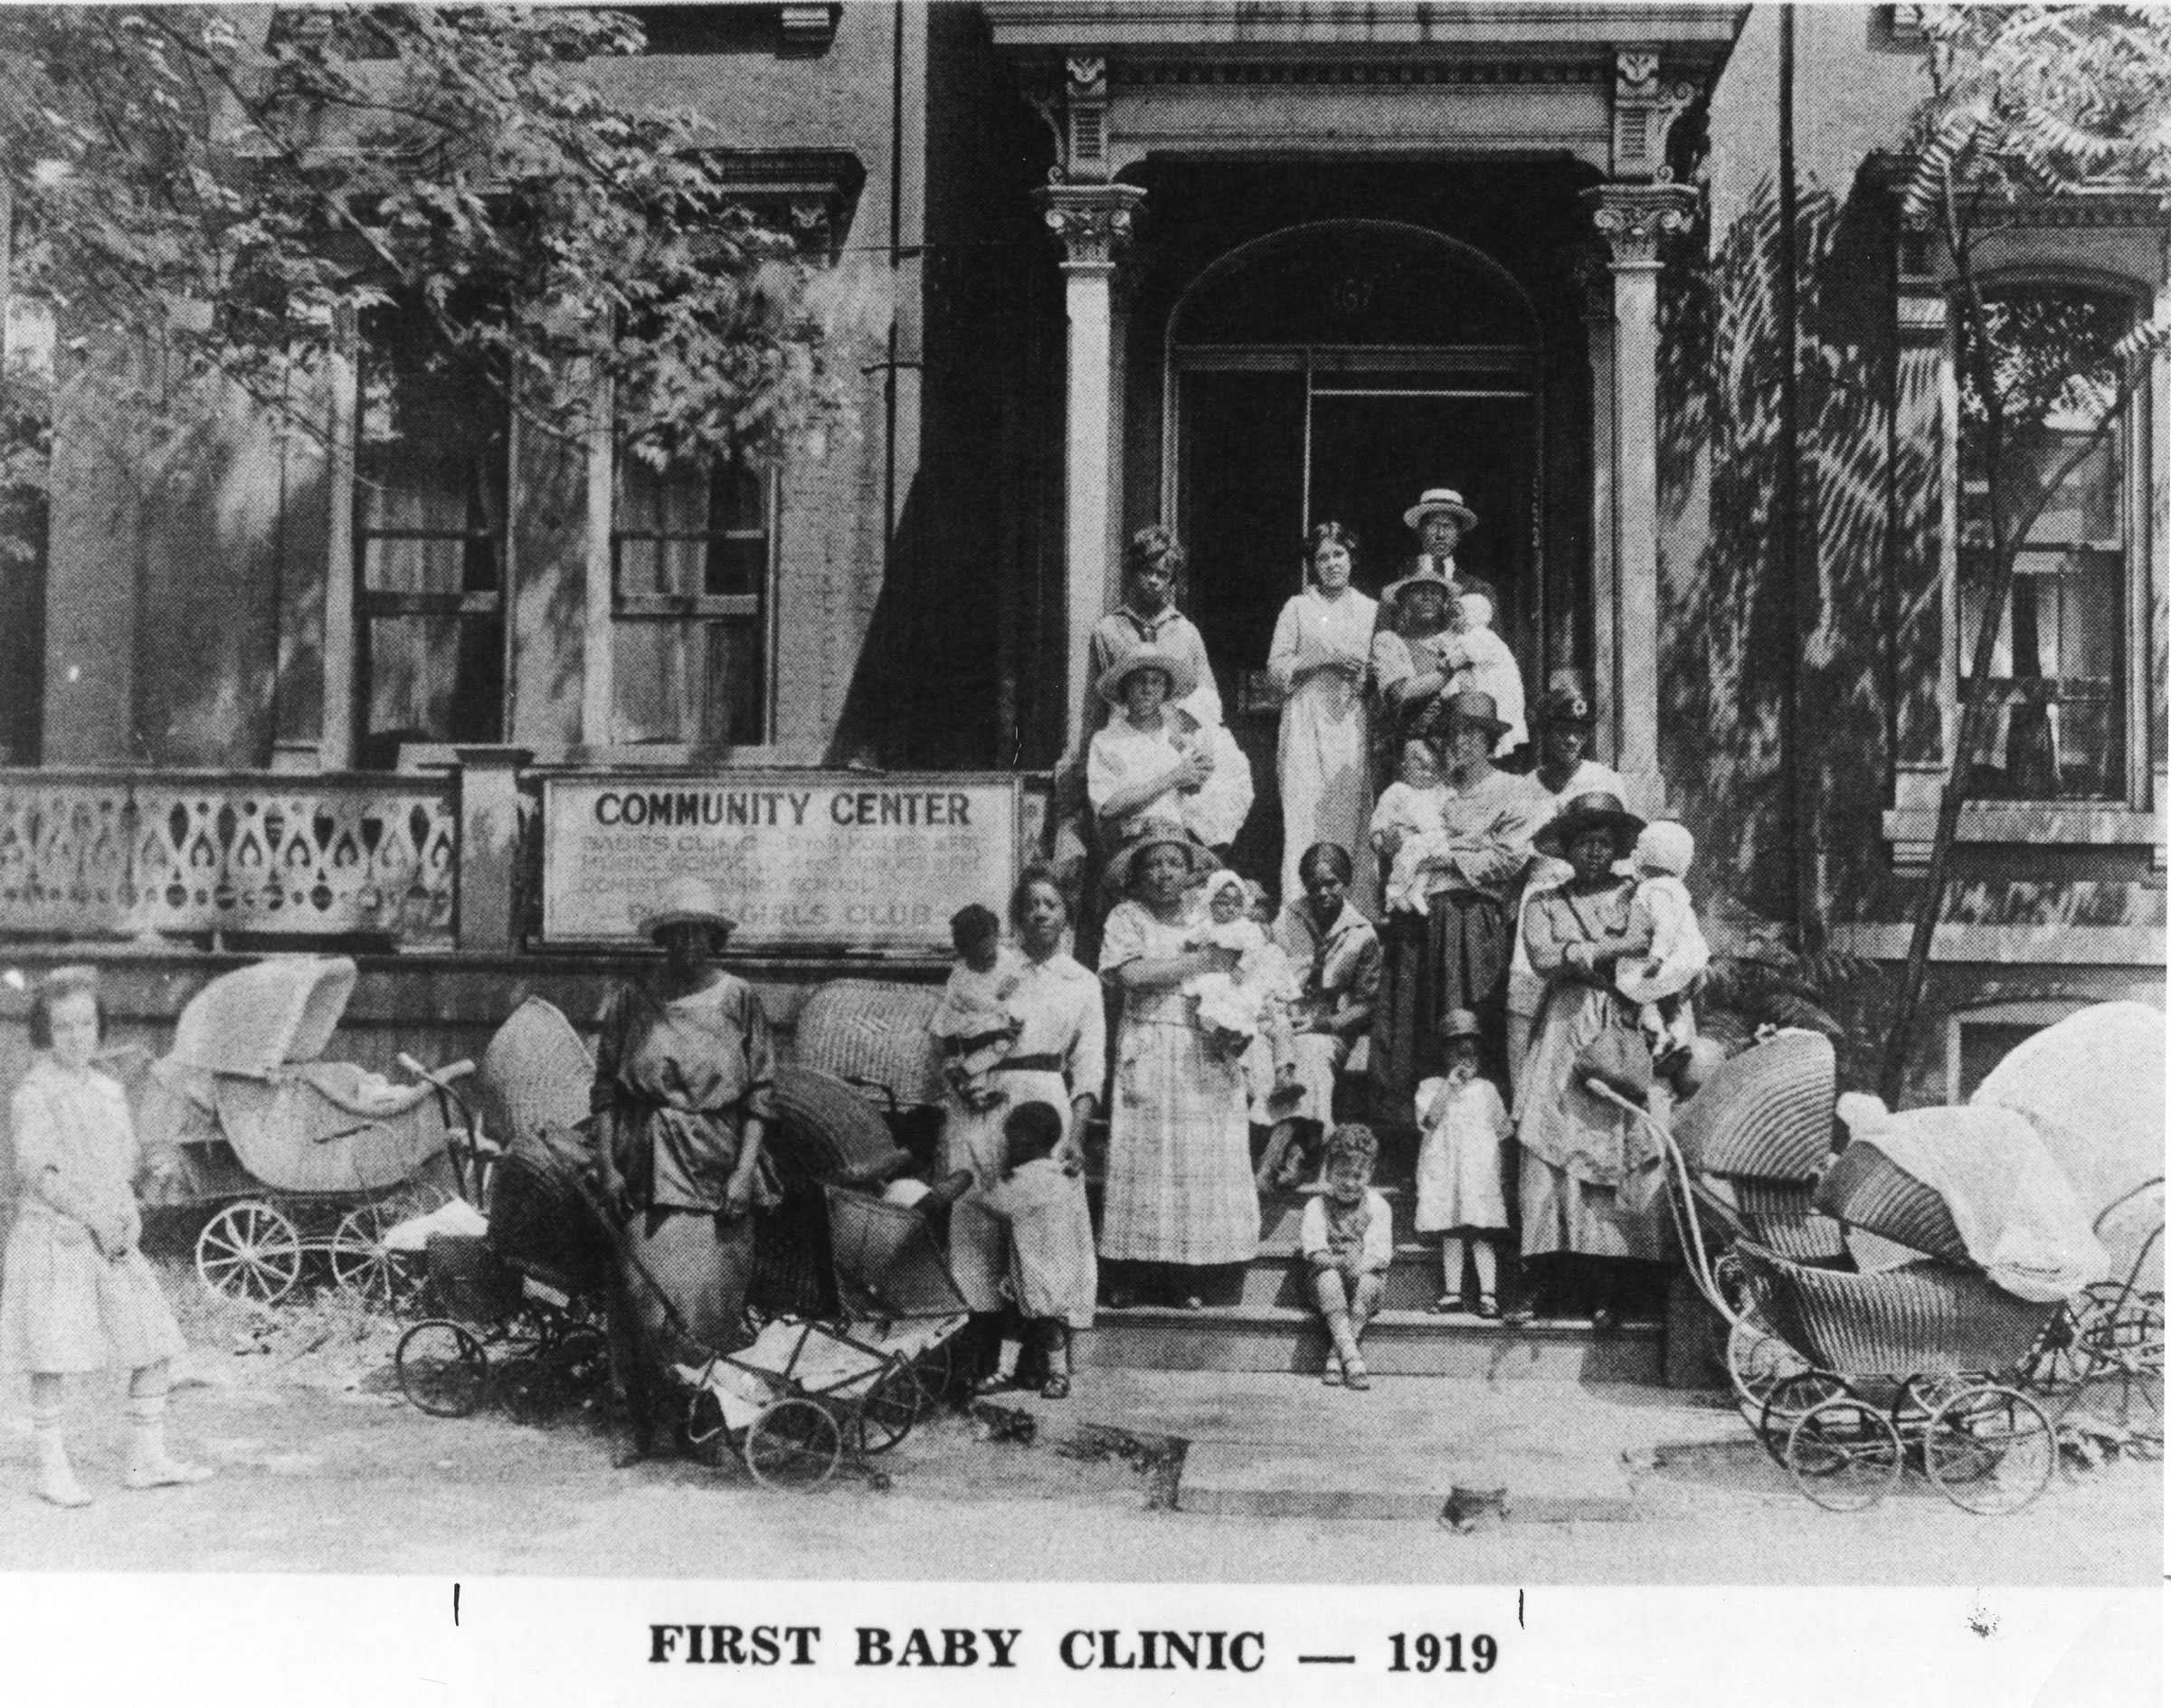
(1334, 370)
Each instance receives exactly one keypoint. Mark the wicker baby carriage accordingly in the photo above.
(299, 1158)
(1846, 1375)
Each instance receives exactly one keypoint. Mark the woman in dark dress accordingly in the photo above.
(682, 1100)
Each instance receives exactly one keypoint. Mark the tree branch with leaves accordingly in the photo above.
(2028, 105)
(229, 189)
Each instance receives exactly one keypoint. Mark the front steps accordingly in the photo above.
(1271, 1326)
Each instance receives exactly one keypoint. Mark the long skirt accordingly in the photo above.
(1570, 1212)
(688, 1264)
(65, 1309)
(1455, 956)
(980, 1240)
(1179, 1187)
(1326, 784)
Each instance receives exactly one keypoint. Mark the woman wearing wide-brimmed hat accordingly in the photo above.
(1318, 663)
(1586, 1162)
(1454, 953)
(1565, 719)
(682, 1100)
(1179, 1196)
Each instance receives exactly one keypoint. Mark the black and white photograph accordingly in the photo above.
(1134, 848)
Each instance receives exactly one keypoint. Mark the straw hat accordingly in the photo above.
(1426, 575)
(1599, 807)
(1124, 860)
(1474, 706)
(1182, 679)
(689, 901)
(1436, 499)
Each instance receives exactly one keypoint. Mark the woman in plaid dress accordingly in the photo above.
(1179, 1192)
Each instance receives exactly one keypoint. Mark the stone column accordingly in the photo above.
(1092, 221)
(1633, 219)
(1604, 657)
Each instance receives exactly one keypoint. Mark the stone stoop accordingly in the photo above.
(1271, 1326)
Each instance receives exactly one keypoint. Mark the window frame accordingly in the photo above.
(371, 605)
(2131, 441)
(684, 609)
(2050, 254)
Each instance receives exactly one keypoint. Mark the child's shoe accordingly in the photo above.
(1356, 1376)
(57, 1479)
(150, 1466)
(1488, 1307)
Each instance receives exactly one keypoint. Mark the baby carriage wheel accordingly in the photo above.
(363, 1265)
(793, 1444)
(250, 1252)
(1757, 1362)
(892, 1406)
(1789, 1400)
(1989, 1449)
(1843, 1453)
(442, 1368)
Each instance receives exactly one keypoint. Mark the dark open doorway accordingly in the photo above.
(1431, 381)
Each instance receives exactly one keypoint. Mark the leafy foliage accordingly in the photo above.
(2027, 104)
(245, 187)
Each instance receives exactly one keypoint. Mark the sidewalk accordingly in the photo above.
(1289, 1447)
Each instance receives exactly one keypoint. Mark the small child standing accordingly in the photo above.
(1459, 1192)
(1054, 1275)
(1412, 810)
(1660, 983)
(976, 1030)
(76, 1293)
(1348, 1236)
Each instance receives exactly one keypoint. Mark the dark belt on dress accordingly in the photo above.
(1030, 1065)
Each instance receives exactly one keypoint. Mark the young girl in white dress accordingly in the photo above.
(1459, 1192)
(77, 1295)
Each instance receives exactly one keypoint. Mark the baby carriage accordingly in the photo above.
(299, 1158)
(1902, 1343)
(810, 1394)
(519, 1300)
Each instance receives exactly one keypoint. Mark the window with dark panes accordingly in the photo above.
(690, 549)
(432, 455)
(2063, 674)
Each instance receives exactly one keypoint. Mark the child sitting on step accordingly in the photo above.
(1053, 1273)
(1348, 1238)
(1459, 1192)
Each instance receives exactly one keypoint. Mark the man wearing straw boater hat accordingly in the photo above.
(1439, 518)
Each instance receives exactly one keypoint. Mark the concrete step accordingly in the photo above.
(1290, 1338)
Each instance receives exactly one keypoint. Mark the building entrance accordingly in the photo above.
(1272, 434)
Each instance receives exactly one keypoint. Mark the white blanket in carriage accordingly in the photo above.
(2016, 1212)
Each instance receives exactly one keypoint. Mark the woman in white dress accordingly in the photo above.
(1178, 1192)
(1058, 1058)
(1321, 645)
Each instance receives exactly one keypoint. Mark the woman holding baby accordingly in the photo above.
(1455, 864)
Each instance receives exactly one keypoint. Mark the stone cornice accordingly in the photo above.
(1417, 27)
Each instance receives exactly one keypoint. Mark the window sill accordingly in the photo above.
(1910, 829)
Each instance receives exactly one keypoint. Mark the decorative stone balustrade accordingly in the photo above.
(108, 854)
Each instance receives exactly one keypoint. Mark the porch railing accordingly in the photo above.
(86, 853)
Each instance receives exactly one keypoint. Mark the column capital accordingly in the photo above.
(1634, 219)
(1094, 221)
